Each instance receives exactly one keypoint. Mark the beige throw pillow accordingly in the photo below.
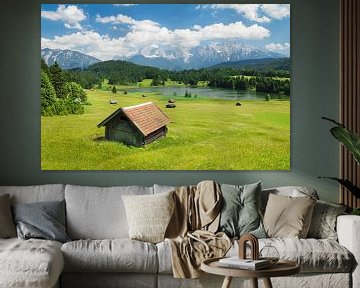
(288, 217)
(7, 226)
(149, 215)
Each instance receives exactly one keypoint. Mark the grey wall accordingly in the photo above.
(314, 94)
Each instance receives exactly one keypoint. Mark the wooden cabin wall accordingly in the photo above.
(156, 135)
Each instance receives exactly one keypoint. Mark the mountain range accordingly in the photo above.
(67, 59)
(210, 54)
(169, 58)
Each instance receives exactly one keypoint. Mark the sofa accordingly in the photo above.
(100, 253)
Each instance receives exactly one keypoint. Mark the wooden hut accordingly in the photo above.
(136, 125)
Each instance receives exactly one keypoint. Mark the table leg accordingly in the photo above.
(227, 282)
(267, 283)
(254, 282)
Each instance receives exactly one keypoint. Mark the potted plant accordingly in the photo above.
(351, 141)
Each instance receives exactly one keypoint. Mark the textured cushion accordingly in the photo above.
(149, 215)
(240, 213)
(36, 193)
(117, 255)
(7, 227)
(33, 263)
(44, 220)
(287, 216)
(313, 255)
(323, 222)
(98, 213)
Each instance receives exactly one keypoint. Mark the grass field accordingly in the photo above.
(204, 134)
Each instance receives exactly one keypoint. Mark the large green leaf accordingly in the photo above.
(348, 138)
(348, 185)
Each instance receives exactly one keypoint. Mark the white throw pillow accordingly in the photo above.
(149, 215)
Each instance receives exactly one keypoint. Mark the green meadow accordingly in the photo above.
(204, 134)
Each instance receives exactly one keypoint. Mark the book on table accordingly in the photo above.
(236, 262)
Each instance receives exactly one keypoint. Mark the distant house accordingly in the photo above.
(136, 125)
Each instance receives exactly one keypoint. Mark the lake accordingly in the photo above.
(204, 92)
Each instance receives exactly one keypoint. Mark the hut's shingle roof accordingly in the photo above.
(147, 117)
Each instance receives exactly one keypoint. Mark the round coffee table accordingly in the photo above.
(281, 268)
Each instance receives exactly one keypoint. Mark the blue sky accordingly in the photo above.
(108, 31)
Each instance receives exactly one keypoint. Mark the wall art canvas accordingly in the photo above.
(165, 86)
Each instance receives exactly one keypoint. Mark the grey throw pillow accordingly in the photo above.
(240, 213)
(7, 226)
(323, 222)
(44, 220)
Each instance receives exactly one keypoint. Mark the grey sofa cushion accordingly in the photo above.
(31, 263)
(108, 280)
(7, 226)
(117, 255)
(44, 220)
(36, 193)
(313, 255)
(98, 213)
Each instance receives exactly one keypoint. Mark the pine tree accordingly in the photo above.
(58, 80)
(44, 67)
(48, 95)
(114, 89)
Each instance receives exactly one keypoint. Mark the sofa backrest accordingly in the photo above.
(98, 212)
(36, 193)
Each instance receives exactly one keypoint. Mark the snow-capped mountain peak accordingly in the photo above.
(67, 59)
(205, 55)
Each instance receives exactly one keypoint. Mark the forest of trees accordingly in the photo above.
(267, 80)
(60, 95)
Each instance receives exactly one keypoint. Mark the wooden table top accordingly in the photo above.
(281, 268)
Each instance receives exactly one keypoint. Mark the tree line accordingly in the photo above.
(126, 73)
(60, 95)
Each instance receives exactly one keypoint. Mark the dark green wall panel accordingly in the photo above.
(315, 74)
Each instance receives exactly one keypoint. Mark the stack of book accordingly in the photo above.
(248, 264)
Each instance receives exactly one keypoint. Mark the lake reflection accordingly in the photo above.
(205, 92)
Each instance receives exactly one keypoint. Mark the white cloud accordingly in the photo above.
(88, 42)
(276, 11)
(143, 34)
(250, 11)
(125, 5)
(123, 19)
(276, 47)
(261, 13)
(71, 16)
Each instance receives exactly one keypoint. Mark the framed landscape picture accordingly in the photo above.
(165, 87)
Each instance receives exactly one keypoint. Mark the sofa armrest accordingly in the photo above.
(348, 230)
